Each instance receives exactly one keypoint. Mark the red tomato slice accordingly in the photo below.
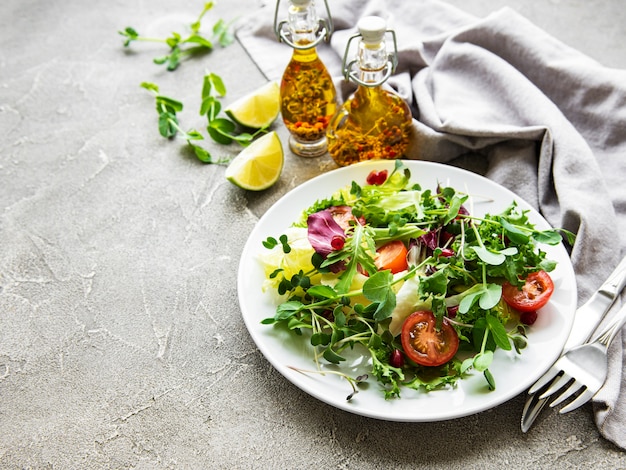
(392, 256)
(533, 295)
(424, 344)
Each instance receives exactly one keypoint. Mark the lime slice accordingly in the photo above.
(259, 165)
(257, 109)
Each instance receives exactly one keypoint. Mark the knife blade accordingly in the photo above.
(586, 319)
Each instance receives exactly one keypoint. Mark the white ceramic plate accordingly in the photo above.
(513, 373)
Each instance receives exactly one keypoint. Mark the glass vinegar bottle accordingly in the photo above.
(307, 93)
(373, 123)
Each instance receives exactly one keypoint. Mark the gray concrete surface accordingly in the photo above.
(121, 340)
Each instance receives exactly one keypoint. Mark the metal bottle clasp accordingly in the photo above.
(323, 34)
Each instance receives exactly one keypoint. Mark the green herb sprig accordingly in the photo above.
(184, 45)
(219, 128)
(167, 109)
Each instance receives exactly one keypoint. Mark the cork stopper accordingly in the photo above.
(372, 29)
(301, 3)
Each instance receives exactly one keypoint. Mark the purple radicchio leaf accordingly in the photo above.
(322, 228)
(430, 239)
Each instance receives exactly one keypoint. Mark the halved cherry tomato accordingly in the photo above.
(392, 256)
(533, 295)
(424, 344)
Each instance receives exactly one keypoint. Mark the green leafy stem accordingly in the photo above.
(184, 45)
(220, 129)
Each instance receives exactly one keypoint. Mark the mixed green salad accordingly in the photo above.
(411, 278)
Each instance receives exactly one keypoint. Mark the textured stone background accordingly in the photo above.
(121, 340)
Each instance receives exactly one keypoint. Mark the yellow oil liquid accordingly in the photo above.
(373, 124)
(308, 96)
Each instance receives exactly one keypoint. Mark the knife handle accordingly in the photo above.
(612, 289)
(590, 315)
(616, 281)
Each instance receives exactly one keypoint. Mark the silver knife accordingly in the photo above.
(586, 319)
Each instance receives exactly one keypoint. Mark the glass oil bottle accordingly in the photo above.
(373, 123)
(307, 93)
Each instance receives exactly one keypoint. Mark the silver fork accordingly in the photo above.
(586, 319)
(585, 366)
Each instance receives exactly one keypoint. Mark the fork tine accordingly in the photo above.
(556, 385)
(579, 401)
(571, 390)
(544, 380)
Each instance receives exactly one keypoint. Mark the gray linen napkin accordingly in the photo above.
(501, 97)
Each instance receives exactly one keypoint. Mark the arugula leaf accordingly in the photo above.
(378, 289)
(357, 251)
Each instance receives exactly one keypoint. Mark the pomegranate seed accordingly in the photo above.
(445, 236)
(452, 311)
(377, 177)
(528, 318)
(337, 242)
(396, 359)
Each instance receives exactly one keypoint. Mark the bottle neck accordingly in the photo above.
(372, 60)
(303, 25)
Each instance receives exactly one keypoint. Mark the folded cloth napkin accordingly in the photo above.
(502, 97)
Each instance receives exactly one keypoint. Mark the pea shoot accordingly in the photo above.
(181, 45)
(219, 128)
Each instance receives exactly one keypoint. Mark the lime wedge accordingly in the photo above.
(259, 165)
(257, 109)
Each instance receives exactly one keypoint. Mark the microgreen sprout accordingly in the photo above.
(184, 45)
(221, 129)
(271, 242)
(354, 382)
(167, 109)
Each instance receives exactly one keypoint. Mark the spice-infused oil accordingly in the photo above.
(307, 93)
(374, 123)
